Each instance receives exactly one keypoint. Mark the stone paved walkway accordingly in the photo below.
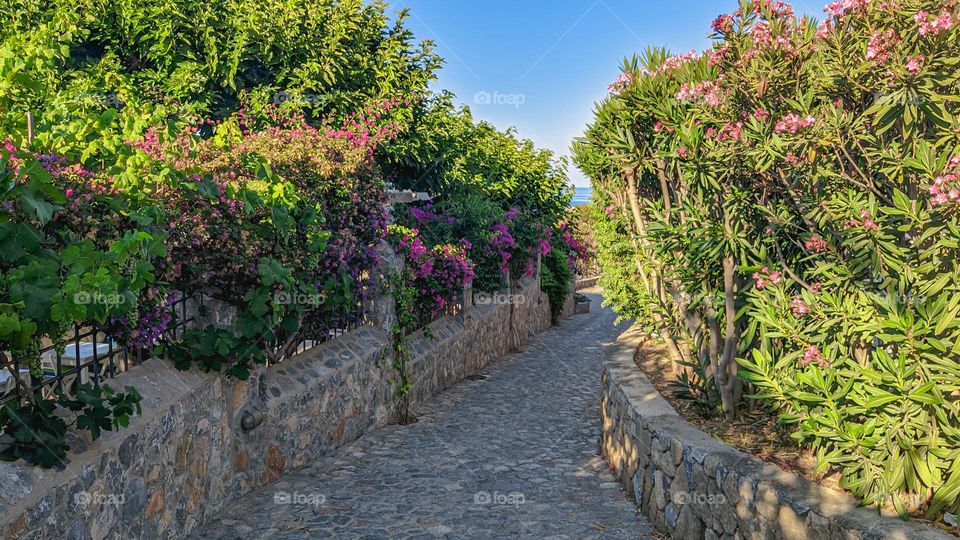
(511, 456)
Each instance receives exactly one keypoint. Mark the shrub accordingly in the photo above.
(790, 205)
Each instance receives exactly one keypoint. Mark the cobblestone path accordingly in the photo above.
(513, 455)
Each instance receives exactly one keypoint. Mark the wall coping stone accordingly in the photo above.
(651, 447)
(312, 403)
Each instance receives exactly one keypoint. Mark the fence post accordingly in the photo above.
(30, 128)
(381, 310)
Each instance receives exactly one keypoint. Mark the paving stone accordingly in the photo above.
(511, 456)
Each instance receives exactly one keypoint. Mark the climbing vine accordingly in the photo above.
(405, 300)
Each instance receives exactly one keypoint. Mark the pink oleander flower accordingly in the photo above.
(762, 36)
(813, 354)
(868, 222)
(674, 62)
(682, 152)
(844, 7)
(880, 46)
(623, 81)
(793, 123)
(941, 23)
(610, 210)
(823, 31)
(765, 277)
(945, 189)
(798, 307)
(722, 24)
(816, 244)
(761, 115)
(915, 64)
(707, 90)
(731, 132)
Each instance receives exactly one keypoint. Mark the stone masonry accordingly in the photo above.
(512, 453)
(187, 457)
(692, 486)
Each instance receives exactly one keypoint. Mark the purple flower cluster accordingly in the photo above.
(426, 215)
(502, 243)
(439, 273)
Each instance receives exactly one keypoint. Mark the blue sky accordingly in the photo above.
(540, 65)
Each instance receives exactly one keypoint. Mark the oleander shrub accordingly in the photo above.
(784, 211)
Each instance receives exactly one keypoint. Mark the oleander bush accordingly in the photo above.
(783, 210)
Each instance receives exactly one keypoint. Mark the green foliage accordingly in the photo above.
(783, 212)
(557, 277)
(405, 301)
(37, 431)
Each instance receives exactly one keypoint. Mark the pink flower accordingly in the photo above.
(623, 81)
(946, 187)
(707, 90)
(674, 62)
(762, 36)
(764, 277)
(798, 307)
(761, 283)
(878, 49)
(731, 132)
(722, 24)
(843, 7)
(816, 244)
(914, 64)
(813, 354)
(682, 152)
(793, 123)
(823, 31)
(761, 115)
(942, 23)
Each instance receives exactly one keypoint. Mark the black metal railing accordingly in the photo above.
(318, 331)
(87, 355)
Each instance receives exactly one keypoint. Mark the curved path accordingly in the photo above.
(513, 455)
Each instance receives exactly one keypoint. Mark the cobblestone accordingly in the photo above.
(511, 455)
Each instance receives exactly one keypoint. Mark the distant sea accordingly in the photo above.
(581, 196)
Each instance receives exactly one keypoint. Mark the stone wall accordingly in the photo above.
(691, 485)
(586, 283)
(187, 456)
